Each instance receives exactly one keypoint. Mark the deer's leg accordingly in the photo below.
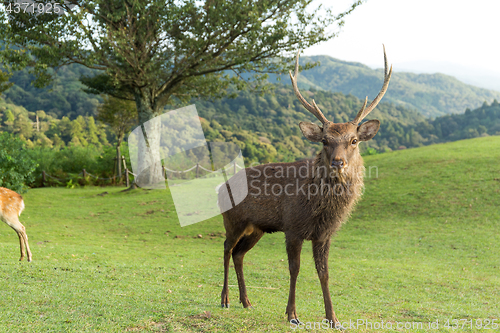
(25, 238)
(13, 222)
(320, 252)
(239, 251)
(293, 249)
(21, 245)
(232, 238)
(225, 288)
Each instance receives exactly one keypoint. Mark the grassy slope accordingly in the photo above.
(421, 246)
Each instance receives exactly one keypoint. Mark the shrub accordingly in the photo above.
(16, 165)
(66, 164)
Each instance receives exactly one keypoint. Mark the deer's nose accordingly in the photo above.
(338, 163)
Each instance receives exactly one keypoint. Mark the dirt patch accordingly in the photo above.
(204, 315)
(150, 326)
(219, 234)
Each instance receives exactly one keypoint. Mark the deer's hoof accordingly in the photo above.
(225, 305)
(295, 321)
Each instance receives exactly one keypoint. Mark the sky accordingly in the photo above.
(421, 34)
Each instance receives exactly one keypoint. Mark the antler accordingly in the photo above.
(314, 109)
(364, 112)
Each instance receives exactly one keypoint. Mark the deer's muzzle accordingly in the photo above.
(339, 165)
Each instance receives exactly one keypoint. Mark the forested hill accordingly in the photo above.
(275, 119)
(431, 94)
(266, 127)
(64, 97)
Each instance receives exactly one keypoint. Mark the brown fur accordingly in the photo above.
(300, 214)
(11, 206)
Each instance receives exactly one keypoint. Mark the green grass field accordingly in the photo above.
(422, 246)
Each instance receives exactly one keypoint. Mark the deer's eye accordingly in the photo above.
(354, 142)
(324, 141)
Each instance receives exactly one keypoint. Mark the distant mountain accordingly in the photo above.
(475, 76)
(431, 94)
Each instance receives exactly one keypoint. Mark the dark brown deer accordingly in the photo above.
(307, 200)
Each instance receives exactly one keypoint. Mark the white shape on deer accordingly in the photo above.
(11, 206)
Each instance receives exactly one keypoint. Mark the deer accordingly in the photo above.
(11, 206)
(306, 200)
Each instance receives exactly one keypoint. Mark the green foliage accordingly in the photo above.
(4, 81)
(370, 151)
(51, 132)
(483, 121)
(16, 165)
(63, 97)
(120, 115)
(66, 164)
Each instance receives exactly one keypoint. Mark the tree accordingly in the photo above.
(4, 81)
(120, 115)
(155, 51)
(16, 167)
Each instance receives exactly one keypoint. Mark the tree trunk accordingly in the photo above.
(149, 174)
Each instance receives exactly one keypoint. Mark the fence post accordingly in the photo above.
(118, 165)
(197, 169)
(163, 170)
(43, 178)
(127, 180)
(84, 174)
(115, 166)
(124, 163)
(126, 177)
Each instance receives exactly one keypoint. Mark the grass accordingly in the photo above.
(422, 246)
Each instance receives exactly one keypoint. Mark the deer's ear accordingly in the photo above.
(311, 131)
(366, 131)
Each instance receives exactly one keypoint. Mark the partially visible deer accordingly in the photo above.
(280, 201)
(11, 206)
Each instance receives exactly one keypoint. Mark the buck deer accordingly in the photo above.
(279, 201)
(11, 206)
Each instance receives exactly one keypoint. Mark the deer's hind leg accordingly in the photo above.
(25, 238)
(21, 245)
(293, 249)
(234, 232)
(242, 247)
(13, 221)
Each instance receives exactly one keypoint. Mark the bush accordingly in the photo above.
(16, 165)
(370, 151)
(64, 166)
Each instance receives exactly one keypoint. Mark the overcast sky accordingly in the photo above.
(459, 32)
